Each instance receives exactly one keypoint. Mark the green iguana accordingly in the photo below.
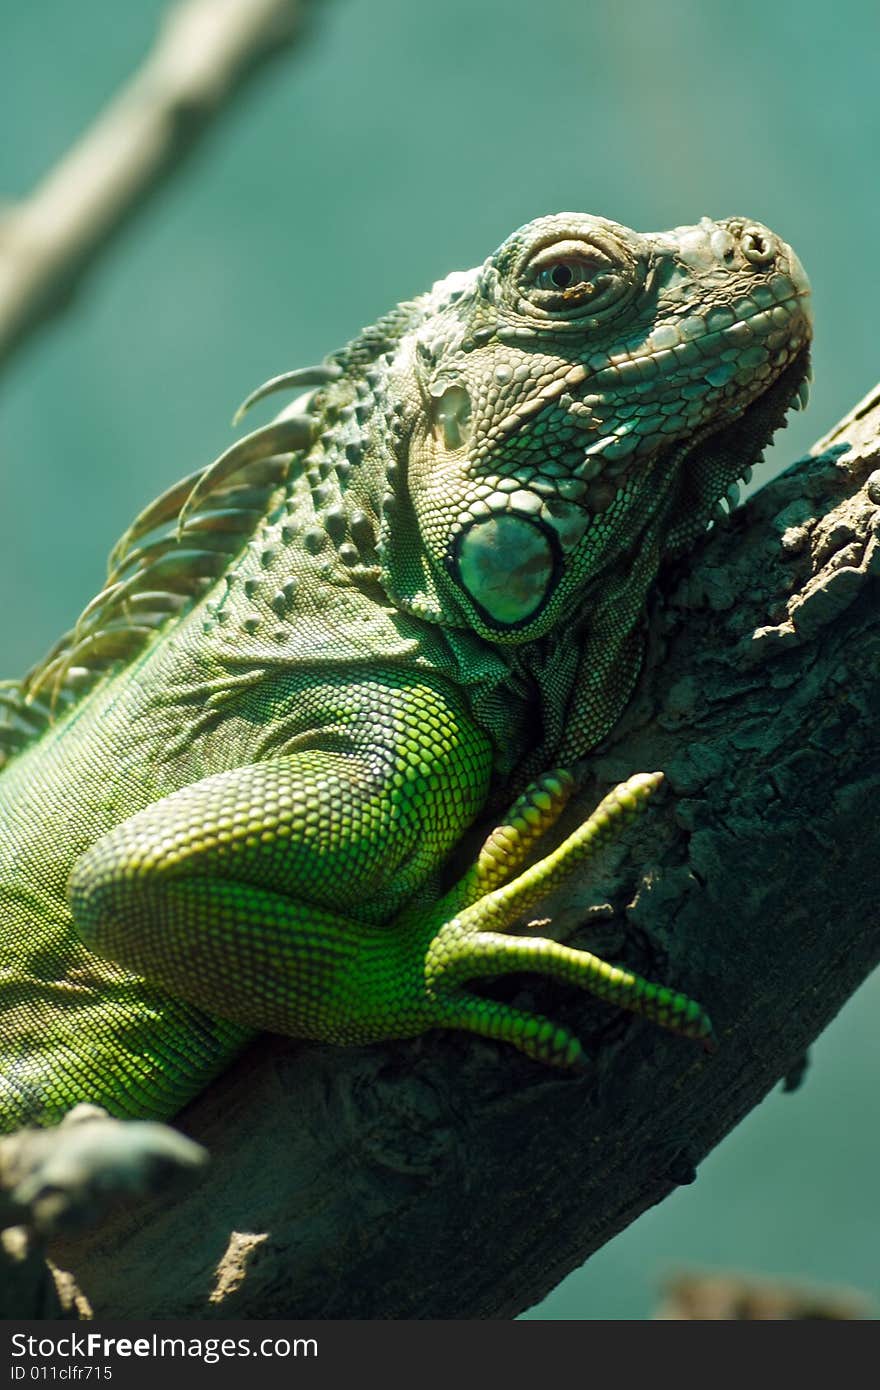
(230, 791)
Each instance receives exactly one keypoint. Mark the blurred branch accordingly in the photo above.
(727, 1297)
(203, 55)
(66, 1178)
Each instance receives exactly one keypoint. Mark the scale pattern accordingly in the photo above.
(230, 793)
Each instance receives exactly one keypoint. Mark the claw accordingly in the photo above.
(500, 908)
(509, 844)
(471, 944)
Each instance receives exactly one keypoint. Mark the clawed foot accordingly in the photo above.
(471, 944)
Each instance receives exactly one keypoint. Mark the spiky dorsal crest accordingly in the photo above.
(172, 552)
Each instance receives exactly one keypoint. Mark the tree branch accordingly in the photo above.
(62, 1178)
(204, 53)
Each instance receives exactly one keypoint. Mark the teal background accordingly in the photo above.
(404, 140)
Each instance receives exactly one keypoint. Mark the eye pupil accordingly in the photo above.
(565, 278)
(559, 276)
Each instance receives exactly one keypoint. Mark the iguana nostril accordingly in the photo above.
(758, 246)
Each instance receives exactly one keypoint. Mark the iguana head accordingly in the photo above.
(585, 393)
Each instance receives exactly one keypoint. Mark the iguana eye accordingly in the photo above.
(567, 275)
(564, 274)
(574, 277)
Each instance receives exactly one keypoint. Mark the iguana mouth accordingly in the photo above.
(716, 463)
(706, 468)
(750, 426)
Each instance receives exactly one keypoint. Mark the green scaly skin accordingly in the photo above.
(231, 790)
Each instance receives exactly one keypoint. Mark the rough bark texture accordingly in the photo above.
(452, 1178)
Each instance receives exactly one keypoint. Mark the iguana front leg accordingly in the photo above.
(469, 945)
(276, 894)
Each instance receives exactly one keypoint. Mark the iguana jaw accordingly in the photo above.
(718, 461)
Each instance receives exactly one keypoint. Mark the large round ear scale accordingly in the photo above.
(508, 566)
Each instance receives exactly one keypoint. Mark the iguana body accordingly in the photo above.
(317, 662)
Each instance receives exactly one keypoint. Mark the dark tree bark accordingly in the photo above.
(453, 1178)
